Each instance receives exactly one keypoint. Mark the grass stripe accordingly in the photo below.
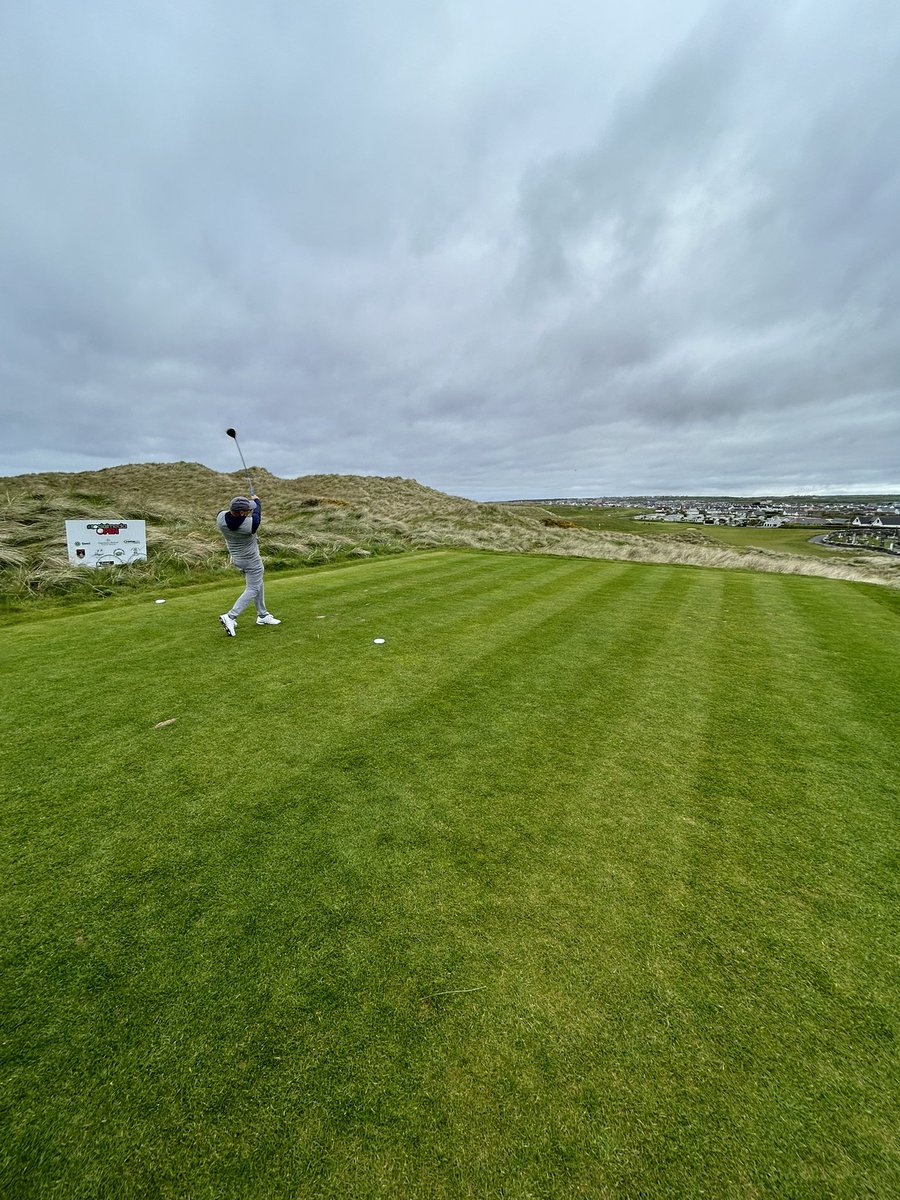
(563, 891)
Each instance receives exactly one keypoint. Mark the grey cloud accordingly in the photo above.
(505, 251)
(725, 245)
(621, 188)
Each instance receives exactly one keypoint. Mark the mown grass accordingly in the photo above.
(583, 884)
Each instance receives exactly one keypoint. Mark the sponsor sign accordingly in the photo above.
(106, 543)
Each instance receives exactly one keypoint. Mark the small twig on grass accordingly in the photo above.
(456, 991)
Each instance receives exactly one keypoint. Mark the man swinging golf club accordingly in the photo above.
(238, 525)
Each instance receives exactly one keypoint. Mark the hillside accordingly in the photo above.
(309, 520)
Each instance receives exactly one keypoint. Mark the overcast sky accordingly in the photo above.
(509, 249)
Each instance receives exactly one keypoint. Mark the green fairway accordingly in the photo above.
(583, 884)
(785, 539)
(596, 516)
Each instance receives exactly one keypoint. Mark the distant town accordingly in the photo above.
(868, 522)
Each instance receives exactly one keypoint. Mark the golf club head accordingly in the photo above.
(232, 433)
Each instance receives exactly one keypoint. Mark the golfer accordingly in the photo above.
(238, 525)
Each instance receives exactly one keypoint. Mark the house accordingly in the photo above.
(883, 520)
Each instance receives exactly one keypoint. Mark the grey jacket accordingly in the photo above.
(240, 535)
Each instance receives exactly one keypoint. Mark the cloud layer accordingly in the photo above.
(534, 250)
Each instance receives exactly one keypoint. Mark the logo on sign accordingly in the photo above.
(108, 527)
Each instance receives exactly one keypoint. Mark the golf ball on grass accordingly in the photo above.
(378, 641)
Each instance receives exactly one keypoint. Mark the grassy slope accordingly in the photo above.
(648, 811)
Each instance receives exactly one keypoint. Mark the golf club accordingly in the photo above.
(232, 434)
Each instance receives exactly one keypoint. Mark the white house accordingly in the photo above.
(883, 520)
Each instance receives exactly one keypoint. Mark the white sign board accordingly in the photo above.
(105, 543)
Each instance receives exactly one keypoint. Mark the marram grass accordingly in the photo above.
(583, 884)
(319, 519)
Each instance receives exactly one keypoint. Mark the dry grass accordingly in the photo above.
(641, 549)
(316, 519)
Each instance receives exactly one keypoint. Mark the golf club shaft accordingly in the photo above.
(249, 480)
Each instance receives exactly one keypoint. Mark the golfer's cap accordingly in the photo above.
(241, 504)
